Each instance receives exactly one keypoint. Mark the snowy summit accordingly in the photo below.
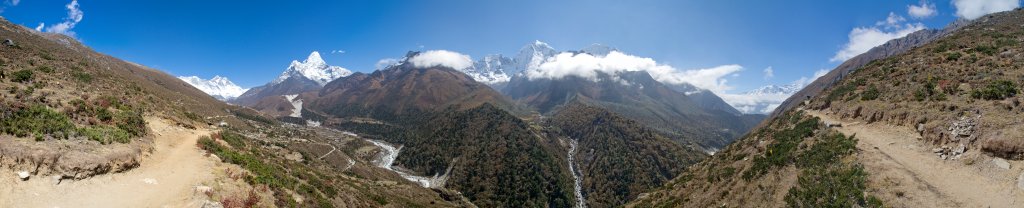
(218, 86)
(313, 68)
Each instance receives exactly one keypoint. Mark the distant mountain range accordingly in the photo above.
(762, 100)
(219, 87)
(300, 77)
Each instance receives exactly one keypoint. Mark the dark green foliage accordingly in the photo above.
(131, 122)
(500, 161)
(234, 139)
(840, 91)
(827, 149)
(35, 120)
(783, 149)
(23, 75)
(826, 181)
(82, 77)
(871, 93)
(193, 116)
(838, 186)
(44, 69)
(996, 90)
(105, 134)
(986, 49)
(263, 173)
(953, 56)
(943, 46)
(628, 158)
(46, 56)
(928, 92)
(104, 115)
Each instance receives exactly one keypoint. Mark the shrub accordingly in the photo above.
(131, 122)
(83, 77)
(943, 47)
(23, 75)
(996, 90)
(781, 151)
(44, 69)
(234, 139)
(104, 115)
(263, 173)
(829, 187)
(870, 94)
(840, 92)
(953, 56)
(105, 134)
(986, 49)
(36, 120)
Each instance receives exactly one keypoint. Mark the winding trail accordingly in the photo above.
(577, 184)
(166, 178)
(895, 155)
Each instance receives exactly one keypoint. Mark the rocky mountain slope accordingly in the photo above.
(401, 90)
(934, 126)
(893, 47)
(449, 125)
(639, 97)
(300, 77)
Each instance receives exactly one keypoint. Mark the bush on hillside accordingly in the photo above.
(24, 75)
(870, 94)
(36, 120)
(996, 90)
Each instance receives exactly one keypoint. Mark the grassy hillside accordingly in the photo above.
(930, 114)
(793, 161)
(974, 76)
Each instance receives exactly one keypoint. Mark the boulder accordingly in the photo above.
(1001, 163)
(23, 175)
(1020, 181)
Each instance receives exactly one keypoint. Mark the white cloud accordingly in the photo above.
(804, 81)
(13, 2)
(589, 66)
(74, 16)
(40, 27)
(384, 63)
(863, 39)
(924, 10)
(767, 98)
(769, 73)
(337, 51)
(970, 9)
(445, 58)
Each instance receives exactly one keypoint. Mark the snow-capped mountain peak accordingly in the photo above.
(775, 89)
(218, 86)
(491, 70)
(313, 68)
(531, 56)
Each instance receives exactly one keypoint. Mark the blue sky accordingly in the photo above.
(251, 42)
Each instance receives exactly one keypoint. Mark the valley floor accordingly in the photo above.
(168, 177)
(905, 173)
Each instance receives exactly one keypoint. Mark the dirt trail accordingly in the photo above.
(166, 178)
(905, 167)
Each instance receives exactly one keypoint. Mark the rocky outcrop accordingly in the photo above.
(75, 158)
